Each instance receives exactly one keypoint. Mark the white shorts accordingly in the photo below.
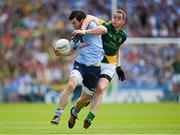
(108, 69)
(78, 75)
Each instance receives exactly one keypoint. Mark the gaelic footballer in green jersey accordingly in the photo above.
(112, 42)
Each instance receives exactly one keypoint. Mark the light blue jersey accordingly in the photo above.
(90, 52)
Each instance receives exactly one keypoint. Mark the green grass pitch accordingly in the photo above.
(161, 118)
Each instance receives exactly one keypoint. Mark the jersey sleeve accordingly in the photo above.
(101, 21)
(73, 45)
(104, 23)
(92, 25)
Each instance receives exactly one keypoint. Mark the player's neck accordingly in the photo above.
(117, 28)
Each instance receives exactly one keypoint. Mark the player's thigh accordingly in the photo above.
(73, 82)
(77, 72)
(75, 79)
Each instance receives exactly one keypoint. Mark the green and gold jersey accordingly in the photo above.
(112, 40)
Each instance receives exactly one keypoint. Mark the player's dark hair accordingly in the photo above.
(78, 14)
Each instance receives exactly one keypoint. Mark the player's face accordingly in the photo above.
(117, 20)
(76, 24)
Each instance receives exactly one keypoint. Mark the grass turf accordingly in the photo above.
(162, 118)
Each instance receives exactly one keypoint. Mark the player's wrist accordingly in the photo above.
(84, 32)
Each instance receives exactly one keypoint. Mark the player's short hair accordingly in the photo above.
(121, 12)
(78, 14)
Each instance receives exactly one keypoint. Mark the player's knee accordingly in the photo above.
(100, 89)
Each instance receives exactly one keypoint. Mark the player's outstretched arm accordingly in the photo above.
(118, 54)
(96, 31)
(88, 20)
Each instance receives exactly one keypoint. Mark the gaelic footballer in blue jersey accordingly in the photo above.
(86, 69)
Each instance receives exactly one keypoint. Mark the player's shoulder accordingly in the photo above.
(92, 25)
(104, 22)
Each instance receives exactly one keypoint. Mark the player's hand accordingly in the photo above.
(56, 52)
(76, 38)
(79, 32)
(120, 73)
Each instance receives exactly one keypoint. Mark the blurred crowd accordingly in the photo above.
(29, 69)
(149, 66)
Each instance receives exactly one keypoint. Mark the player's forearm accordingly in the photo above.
(96, 31)
(88, 20)
(118, 61)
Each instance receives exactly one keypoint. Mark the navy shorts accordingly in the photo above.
(90, 75)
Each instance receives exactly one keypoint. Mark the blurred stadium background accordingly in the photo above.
(30, 72)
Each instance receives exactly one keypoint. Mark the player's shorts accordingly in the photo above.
(108, 69)
(86, 75)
